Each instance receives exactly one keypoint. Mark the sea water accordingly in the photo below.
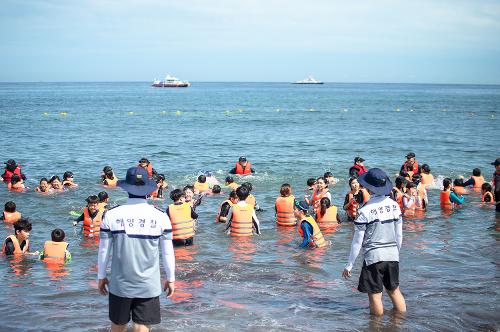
(449, 269)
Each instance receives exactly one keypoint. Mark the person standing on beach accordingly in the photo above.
(137, 232)
(379, 231)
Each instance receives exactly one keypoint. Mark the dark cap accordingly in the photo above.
(358, 159)
(143, 160)
(137, 182)
(242, 159)
(496, 162)
(10, 162)
(410, 155)
(302, 205)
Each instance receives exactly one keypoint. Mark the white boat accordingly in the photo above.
(308, 80)
(170, 82)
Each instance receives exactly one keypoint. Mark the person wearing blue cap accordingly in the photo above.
(137, 232)
(379, 232)
(307, 227)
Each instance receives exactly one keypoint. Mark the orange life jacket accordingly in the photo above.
(246, 170)
(233, 185)
(352, 209)
(444, 199)
(316, 239)
(316, 198)
(251, 200)
(329, 219)
(284, 211)
(111, 183)
(7, 176)
(478, 181)
(490, 195)
(11, 216)
(241, 220)
(17, 246)
(91, 227)
(201, 187)
(426, 179)
(217, 217)
(460, 190)
(414, 169)
(149, 169)
(410, 210)
(182, 223)
(54, 250)
(399, 198)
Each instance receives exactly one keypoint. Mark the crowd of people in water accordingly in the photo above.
(311, 214)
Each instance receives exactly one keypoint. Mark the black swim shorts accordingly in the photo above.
(144, 311)
(376, 276)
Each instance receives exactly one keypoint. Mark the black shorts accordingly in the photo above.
(376, 276)
(183, 242)
(144, 311)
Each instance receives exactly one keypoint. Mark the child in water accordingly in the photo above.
(284, 206)
(43, 186)
(108, 177)
(225, 206)
(9, 212)
(68, 180)
(16, 184)
(329, 178)
(56, 249)
(201, 185)
(327, 216)
(91, 217)
(190, 197)
(183, 219)
(476, 180)
(19, 243)
(161, 185)
(103, 201)
(307, 227)
(448, 198)
(459, 188)
(487, 194)
(230, 183)
(55, 183)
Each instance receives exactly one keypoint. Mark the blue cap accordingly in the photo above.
(137, 182)
(376, 181)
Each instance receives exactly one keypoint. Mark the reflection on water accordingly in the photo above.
(449, 260)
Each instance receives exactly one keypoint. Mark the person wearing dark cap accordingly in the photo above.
(136, 232)
(410, 166)
(307, 227)
(11, 168)
(144, 163)
(358, 168)
(496, 183)
(379, 232)
(242, 167)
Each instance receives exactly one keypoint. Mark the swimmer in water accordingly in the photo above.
(56, 184)
(448, 198)
(68, 180)
(307, 227)
(43, 187)
(16, 184)
(225, 206)
(19, 243)
(57, 248)
(9, 213)
(108, 177)
(284, 206)
(183, 219)
(230, 183)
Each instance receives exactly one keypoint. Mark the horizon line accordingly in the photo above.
(287, 82)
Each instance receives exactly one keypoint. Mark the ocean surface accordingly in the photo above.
(449, 268)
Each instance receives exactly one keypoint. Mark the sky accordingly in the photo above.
(424, 41)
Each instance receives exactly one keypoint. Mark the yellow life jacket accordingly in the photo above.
(329, 219)
(201, 187)
(182, 223)
(241, 221)
(316, 239)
